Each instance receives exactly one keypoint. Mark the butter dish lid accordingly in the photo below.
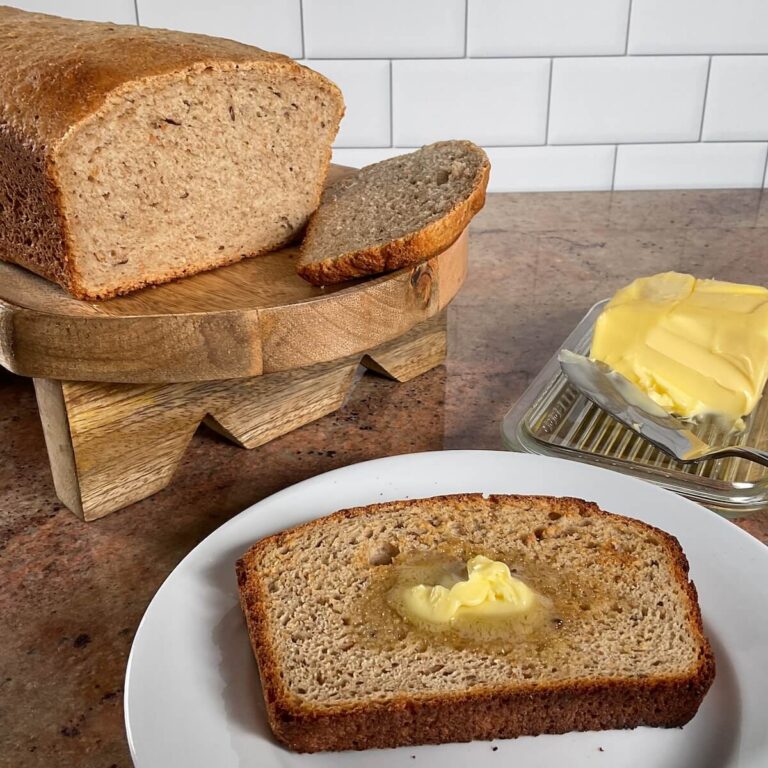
(552, 419)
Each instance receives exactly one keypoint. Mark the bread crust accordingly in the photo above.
(492, 712)
(402, 252)
(59, 73)
(81, 63)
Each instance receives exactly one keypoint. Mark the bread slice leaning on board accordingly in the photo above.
(132, 156)
(395, 213)
(623, 645)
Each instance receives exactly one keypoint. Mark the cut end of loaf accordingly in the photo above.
(339, 672)
(395, 213)
(193, 170)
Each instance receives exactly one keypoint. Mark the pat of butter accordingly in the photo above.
(694, 346)
(490, 591)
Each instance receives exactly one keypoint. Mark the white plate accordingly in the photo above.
(192, 696)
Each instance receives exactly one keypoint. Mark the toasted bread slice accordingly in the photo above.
(622, 645)
(395, 213)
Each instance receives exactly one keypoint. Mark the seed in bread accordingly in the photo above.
(623, 644)
(132, 156)
(395, 213)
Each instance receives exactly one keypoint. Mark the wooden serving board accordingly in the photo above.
(251, 349)
(247, 319)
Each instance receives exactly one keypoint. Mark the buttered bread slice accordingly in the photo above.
(462, 617)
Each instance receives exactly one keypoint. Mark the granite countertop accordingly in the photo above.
(73, 593)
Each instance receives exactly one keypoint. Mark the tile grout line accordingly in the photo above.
(136, 10)
(466, 28)
(549, 101)
(629, 21)
(615, 158)
(706, 93)
(580, 144)
(391, 108)
(301, 29)
(541, 57)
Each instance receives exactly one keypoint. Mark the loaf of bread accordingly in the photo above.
(395, 213)
(621, 643)
(133, 156)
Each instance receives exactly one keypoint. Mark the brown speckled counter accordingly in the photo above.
(72, 594)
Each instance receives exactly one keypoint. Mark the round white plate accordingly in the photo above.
(192, 696)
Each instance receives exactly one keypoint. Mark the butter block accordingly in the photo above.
(696, 347)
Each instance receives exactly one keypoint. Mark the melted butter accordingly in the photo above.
(695, 347)
(488, 593)
(562, 600)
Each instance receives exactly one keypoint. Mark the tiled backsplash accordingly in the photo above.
(564, 94)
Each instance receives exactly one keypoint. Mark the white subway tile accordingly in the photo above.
(689, 166)
(520, 169)
(607, 100)
(699, 26)
(737, 98)
(365, 85)
(271, 24)
(357, 158)
(370, 29)
(546, 27)
(490, 101)
(118, 11)
(540, 169)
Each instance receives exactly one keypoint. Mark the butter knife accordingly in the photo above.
(620, 398)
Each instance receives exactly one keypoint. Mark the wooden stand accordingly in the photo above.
(110, 445)
(251, 349)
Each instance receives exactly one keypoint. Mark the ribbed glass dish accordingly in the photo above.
(551, 418)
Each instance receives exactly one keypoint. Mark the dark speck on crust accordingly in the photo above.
(82, 640)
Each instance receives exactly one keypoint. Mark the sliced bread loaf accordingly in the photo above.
(132, 156)
(620, 645)
(394, 213)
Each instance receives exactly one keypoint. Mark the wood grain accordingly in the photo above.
(110, 445)
(250, 318)
(251, 412)
(413, 353)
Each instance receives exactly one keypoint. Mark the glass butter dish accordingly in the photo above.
(552, 419)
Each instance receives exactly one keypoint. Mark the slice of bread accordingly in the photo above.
(395, 213)
(621, 646)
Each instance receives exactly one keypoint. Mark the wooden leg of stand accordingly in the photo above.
(110, 445)
(58, 441)
(413, 353)
(113, 444)
(251, 412)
